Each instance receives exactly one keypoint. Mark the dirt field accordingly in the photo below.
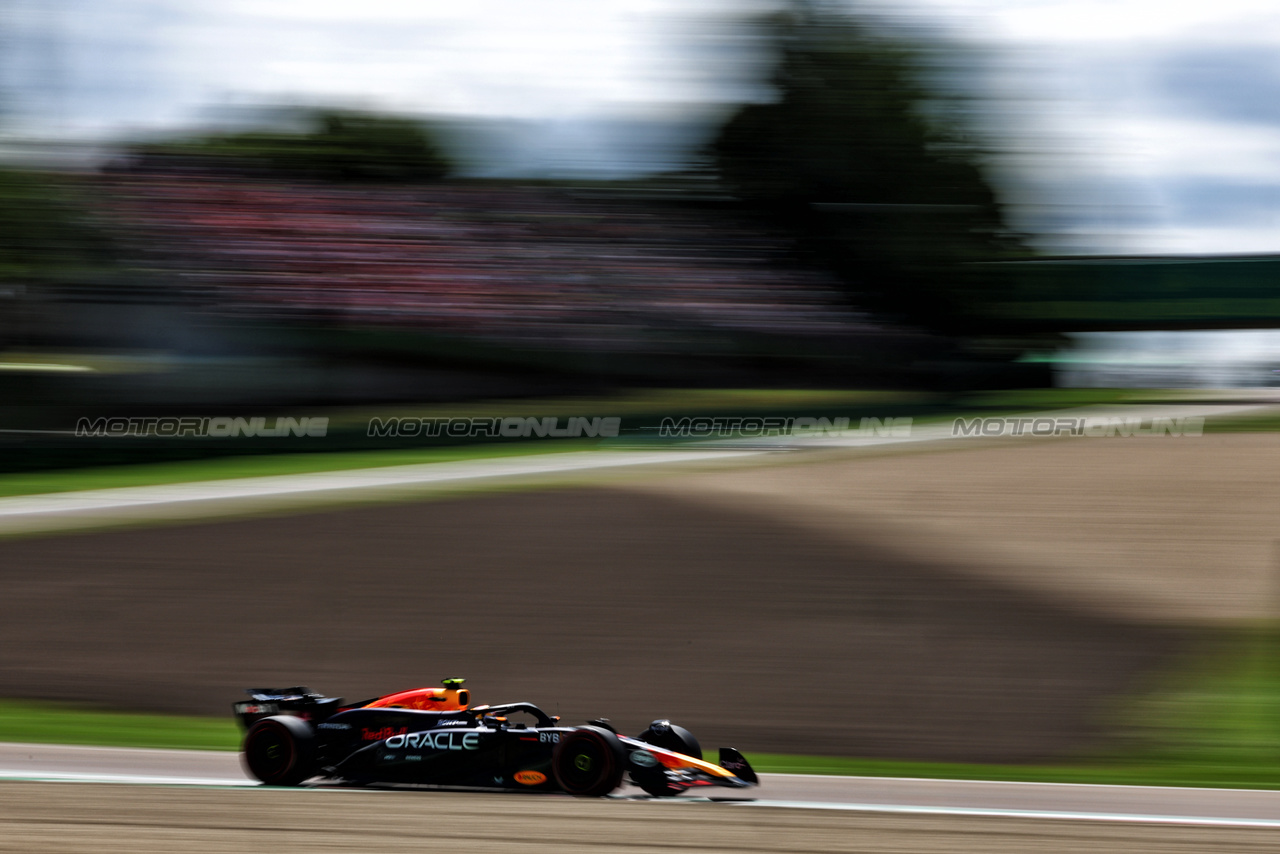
(742, 624)
(74, 818)
(1152, 529)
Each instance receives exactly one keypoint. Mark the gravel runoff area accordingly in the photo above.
(106, 819)
(1152, 529)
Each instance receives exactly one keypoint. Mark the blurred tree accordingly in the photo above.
(872, 172)
(44, 232)
(338, 145)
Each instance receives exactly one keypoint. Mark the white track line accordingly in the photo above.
(896, 809)
(389, 476)
(980, 812)
(34, 512)
(16, 775)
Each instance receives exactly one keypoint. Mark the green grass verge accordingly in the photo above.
(1212, 719)
(1099, 773)
(224, 468)
(1135, 774)
(1032, 399)
(1262, 422)
(57, 723)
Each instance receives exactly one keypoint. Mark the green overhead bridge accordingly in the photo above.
(1132, 293)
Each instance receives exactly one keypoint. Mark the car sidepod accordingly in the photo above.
(456, 753)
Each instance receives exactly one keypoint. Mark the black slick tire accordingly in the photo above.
(589, 762)
(280, 751)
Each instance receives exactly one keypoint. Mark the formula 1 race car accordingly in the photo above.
(434, 737)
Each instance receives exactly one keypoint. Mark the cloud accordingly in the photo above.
(1225, 203)
(1122, 119)
(1236, 84)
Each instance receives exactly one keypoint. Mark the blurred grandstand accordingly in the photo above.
(517, 266)
(538, 287)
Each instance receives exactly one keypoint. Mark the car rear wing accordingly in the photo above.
(298, 701)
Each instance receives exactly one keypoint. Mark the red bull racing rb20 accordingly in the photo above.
(435, 737)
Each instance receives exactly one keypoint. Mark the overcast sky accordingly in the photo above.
(1126, 125)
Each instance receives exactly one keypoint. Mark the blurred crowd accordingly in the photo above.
(522, 264)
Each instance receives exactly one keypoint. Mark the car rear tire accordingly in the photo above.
(280, 750)
(588, 762)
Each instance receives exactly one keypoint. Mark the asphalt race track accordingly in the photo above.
(59, 763)
(61, 798)
(61, 817)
